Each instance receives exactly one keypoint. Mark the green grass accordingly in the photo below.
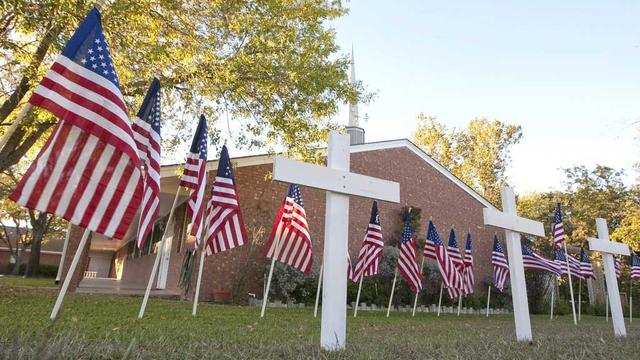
(104, 327)
(15, 281)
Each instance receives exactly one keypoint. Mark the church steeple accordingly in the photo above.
(353, 107)
(353, 128)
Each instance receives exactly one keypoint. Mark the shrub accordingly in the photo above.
(289, 284)
(47, 271)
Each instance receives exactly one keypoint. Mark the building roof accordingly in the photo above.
(168, 171)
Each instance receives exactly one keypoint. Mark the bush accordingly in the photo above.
(47, 271)
(289, 284)
(561, 308)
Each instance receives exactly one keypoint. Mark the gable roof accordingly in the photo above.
(253, 160)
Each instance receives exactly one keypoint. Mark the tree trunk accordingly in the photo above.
(39, 228)
(34, 256)
(16, 266)
(19, 143)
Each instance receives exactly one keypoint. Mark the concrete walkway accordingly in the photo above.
(116, 287)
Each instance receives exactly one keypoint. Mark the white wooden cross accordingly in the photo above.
(514, 225)
(608, 249)
(339, 183)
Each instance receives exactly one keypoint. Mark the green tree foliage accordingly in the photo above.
(270, 65)
(597, 193)
(479, 154)
(587, 195)
(629, 229)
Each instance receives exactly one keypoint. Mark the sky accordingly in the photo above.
(566, 71)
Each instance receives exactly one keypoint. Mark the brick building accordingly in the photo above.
(424, 184)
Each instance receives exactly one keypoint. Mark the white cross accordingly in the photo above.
(339, 183)
(514, 225)
(604, 245)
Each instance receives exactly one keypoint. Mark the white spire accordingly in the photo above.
(353, 108)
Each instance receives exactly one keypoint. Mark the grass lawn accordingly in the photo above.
(30, 282)
(105, 327)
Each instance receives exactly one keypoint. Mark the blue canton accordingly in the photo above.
(225, 170)
(433, 235)
(295, 194)
(95, 56)
(407, 233)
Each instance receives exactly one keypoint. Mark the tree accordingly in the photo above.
(28, 227)
(15, 234)
(479, 154)
(587, 195)
(597, 193)
(270, 65)
(629, 229)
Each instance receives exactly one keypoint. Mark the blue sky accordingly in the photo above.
(566, 71)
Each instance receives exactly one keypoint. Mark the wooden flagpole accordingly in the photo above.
(459, 304)
(203, 246)
(415, 300)
(393, 288)
(70, 273)
(395, 275)
(315, 309)
(14, 126)
(630, 301)
(156, 262)
(440, 300)
(573, 303)
(579, 299)
(607, 306)
(355, 311)
(265, 296)
(198, 281)
(488, 299)
(553, 291)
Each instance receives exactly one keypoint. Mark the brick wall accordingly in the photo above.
(45, 259)
(74, 241)
(420, 186)
(241, 270)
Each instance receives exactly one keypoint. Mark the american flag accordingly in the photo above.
(456, 258)
(586, 269)
(618, 266)
(146, 132)
(450, 276)
(557, 228)
(225, 227)
(500, 266)
(533, 261)
(289, 241)
(407, 263)
(368, 263)
(195, 178)
(635, 266)
(574, 264)
(429, 251)
(88, 171)
(468, 277)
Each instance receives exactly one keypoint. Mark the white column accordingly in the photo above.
(516, 272)
(64, 253)
(165, 250)
(336, 234)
